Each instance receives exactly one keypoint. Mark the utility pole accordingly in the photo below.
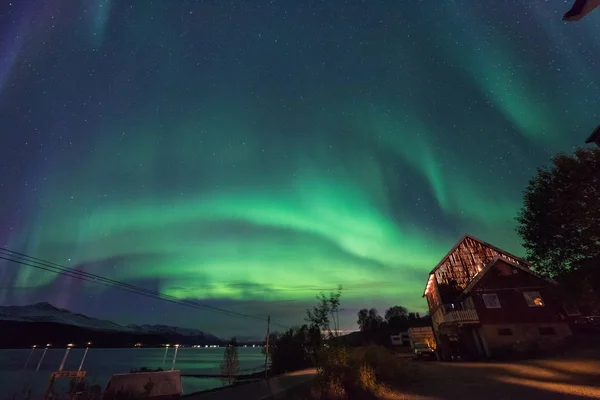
(267, 347)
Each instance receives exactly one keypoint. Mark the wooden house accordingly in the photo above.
(594, 137)
(486, 302)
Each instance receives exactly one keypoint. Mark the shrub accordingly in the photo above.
(333, 372)
(293, 350)
(381, 362)
(230, 366)
(365, 378)
(356, 373)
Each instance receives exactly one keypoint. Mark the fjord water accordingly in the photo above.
(100, 364)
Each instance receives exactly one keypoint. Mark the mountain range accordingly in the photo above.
(40, 323)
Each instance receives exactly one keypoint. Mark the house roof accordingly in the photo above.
(491, 264)
(480, 241)
(462, 239)
(595, 136)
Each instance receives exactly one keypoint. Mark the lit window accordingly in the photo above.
(491, 300)
(533, 299)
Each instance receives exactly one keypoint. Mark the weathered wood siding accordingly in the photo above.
(461, 265)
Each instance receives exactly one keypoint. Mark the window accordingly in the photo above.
(547, 330)
(491, 300)
(505, 332)
(468, 304)
(571, 309)
(533, 299)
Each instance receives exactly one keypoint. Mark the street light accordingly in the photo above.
(166, 350)
(62, 364)
(30, 354)
(87, 347)
(174, 357)
(43, 355)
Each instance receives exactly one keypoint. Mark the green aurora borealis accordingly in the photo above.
(249, 155)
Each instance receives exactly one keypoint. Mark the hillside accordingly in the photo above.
(24, 326)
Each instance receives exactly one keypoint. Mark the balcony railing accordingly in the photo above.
(461, 316)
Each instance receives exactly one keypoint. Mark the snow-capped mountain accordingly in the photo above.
(249, 339)
(45, 312)
(171, 330)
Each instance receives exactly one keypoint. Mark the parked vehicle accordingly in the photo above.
(589, 324)
(400, 339)
(423, 350)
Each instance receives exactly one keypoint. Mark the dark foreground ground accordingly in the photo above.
(275, 387)
(574, 374)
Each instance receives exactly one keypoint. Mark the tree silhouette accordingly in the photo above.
(396, 312)
(230, 366)
(560, 219)
(369, 320)
(326, 313)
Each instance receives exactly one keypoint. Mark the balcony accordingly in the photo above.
(449, 314)
(461, 316)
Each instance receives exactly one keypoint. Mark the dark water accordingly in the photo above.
(100, 364)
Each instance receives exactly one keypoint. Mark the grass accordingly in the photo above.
(366, 373)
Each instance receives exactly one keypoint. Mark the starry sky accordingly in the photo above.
(248, 155)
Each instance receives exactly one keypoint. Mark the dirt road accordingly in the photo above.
(572, 376)
(259, 390)
(576, 376)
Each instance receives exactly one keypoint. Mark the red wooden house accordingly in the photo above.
(594, 137)
(486, 302)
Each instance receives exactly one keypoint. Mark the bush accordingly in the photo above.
(366, 377)
(294, 349)
(383, 364)
(333, 372)
(358, 373)
(230, 366)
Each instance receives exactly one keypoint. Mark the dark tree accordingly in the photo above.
(230, 366)
(560, 219)
(325, 315)
(396, 312)
(369, 320)
(294, 349)
(363, 320)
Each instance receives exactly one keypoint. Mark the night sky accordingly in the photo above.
(248, 154)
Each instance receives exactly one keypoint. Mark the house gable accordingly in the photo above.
(461, 265)
(510, 284)
(505, 274)
(594, 137)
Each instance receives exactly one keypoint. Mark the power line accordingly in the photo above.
(141, 291)
(34, 262)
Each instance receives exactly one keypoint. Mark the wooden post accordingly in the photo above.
(267, 347)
